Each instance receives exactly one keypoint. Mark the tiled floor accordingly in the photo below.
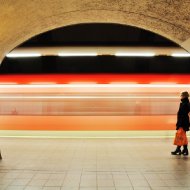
(92, 164)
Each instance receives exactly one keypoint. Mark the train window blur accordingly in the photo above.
(111, 106)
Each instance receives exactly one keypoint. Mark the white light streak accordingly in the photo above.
(180, 54)
(135, 54)
(88, 97)
(96, 86)
(73, 54)
(23, 55)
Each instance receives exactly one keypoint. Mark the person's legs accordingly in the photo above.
(177, 151)
(185, 149)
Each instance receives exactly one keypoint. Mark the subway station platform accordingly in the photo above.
(90, 94)
(92, 164)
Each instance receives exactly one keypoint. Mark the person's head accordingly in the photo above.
(184, 94)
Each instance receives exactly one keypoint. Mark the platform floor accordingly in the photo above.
(92, 164)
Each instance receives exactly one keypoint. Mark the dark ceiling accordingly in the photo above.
(101, 35)
(98, 34)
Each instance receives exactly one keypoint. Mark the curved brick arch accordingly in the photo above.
(21, 20)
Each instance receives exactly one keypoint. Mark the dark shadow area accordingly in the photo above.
(98, 34)
(100, 64)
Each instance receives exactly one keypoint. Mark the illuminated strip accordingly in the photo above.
(97, 86)
(89, 134)
(88, 97)
(14, 55)
(163, 83)
(8, 83)
(77, 54)
(42, 83)
(84, 83)
(123, 83)
(180, 54)
(80, 53)
(135, 54)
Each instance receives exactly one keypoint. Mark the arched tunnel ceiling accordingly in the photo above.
(98, 34)
(21, 19)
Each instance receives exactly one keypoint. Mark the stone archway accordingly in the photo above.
(20, 20)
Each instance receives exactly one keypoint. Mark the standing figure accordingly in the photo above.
(182, 125)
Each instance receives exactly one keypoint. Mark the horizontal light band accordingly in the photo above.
(89, 134)
(135, 54)
(96, 86)
(42, 83)
(72, 54)
(88, 97)
(82, 83)
(77, 54)
(15, 55)
(163, 83)
(180, 54)
(118, 83)
(8, 83)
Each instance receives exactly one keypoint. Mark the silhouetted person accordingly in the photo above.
(182, 125)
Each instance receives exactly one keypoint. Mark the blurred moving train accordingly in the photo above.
(90, 101)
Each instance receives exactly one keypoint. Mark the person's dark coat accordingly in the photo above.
(182, 115)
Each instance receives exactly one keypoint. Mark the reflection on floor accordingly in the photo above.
(92, 164)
